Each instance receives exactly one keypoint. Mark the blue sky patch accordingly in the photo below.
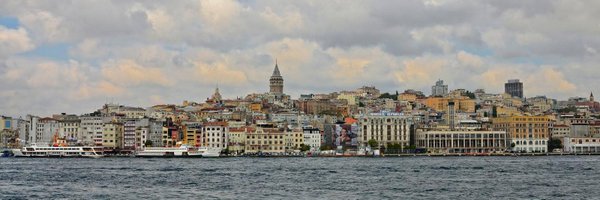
(58, 51)
(10, 22)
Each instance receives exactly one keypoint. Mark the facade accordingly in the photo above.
(155, 133)
(47, 128)
(528, 133)
(91, 129)
(440, 104)
(276, 82)
(439, 89)
(129, 135)
(581, 145)
(462, 141)
(214, 134)
(312, 138)
(265, 141)
(294, 140)
(385, 128)
(514, 87)
(559, 131)
(70, 129)
(112, 136)
(237, 139)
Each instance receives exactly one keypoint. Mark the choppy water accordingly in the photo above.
(560, 177)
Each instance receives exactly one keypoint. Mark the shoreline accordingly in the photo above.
(348, 156)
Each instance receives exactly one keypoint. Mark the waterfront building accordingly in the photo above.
(91, 128)
(192, 134)
(70, 128)
(581, 145)
(385, 128)
(439, 89)
(129, 135)
(293, 140)
(214, 134)
(528, 133)
(514, 87)
(312, 137)
(461, 140)
(265, 140)
(46, 129)
(237, 138)
(28, 130)
(155, 129)
(112, 136)
(559, 131)
(5, 123)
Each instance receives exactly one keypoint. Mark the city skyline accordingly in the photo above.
(73, 57)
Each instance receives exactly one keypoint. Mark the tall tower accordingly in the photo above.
(276, 81)
(514, 87)
(591, 96)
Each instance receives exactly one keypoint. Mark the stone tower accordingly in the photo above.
(276, 81)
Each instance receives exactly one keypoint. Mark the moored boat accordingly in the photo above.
(60, 151)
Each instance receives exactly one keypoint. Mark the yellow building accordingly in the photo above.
(352, 99)
(293, 140)
(407, 97)
(440, 104)
(191, 136)
(265, 141)
(256, 107)
(237, 138)
(527, 133)
(112, 135)
(503, 111)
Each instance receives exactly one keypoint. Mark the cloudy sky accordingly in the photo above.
(74, 56)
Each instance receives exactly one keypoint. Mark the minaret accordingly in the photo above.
(276, 81)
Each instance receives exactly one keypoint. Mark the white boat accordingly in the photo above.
(166, 152)
(210, 152)
(48, 151)
(182, 151)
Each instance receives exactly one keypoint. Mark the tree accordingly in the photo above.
(304, 147)
(389, 96)
(554, 144)
(470, 94)
(326, 148)
(148, 143)
(373, 143)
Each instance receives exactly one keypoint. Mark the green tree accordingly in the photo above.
(148, 143)
(470, 94)
(373, 143)
(304, 147)
(389, 96)
(554, 144)
(326, 148)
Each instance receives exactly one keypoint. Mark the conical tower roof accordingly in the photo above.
(276, 70)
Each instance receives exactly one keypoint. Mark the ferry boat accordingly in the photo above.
(182, 151)
(59, 151)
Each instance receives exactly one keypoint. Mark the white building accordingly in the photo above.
(214, 134)
(439, 89)
(581, 145)
(47, 128)
(91, 129)
(312, 138)
(386, 128)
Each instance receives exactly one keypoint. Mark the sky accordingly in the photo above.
(75, 55)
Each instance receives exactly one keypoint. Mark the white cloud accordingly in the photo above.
(14, 41)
